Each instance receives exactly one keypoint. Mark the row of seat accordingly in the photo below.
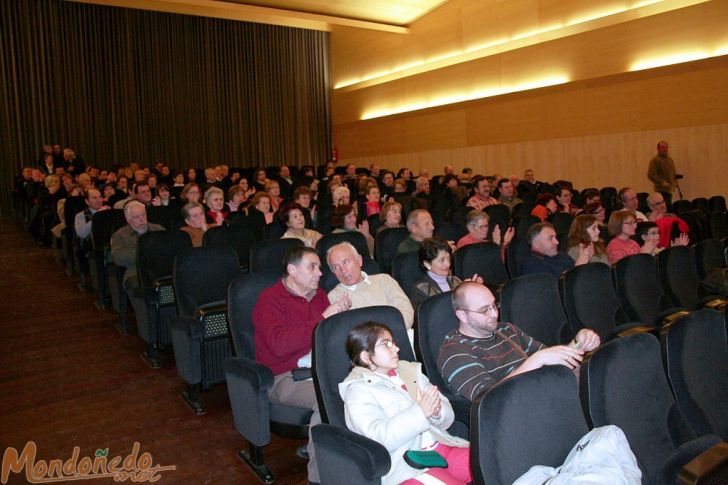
(536, 418)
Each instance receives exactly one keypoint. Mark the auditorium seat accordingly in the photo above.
(533, 304)
(331, 364)
(249, 381)
(406, 270)
(680, 280)
(385, 246)
(695, 353)
(435, 318)
(640, 293)
(530, 419)
(200, 335)
(613, 389)
(239, 237)
(483, 259)
(153, 301)
(269, 253)
(591, 302)
(709, 254)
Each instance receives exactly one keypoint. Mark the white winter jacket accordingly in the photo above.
(379, 409)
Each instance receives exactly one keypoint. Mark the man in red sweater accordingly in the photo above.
(284, 318)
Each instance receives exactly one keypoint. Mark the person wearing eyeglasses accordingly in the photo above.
(665, 220)
(622, 227)
(391, 402)
(482, 351)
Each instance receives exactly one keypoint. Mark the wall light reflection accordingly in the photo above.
(488, 45)
(459, 98)
(676, 58)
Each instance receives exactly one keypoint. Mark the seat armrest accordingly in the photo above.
(715, 302)
(163, 281)
(211, 308)
(259, 375)
(627, 329)
(668, 317)
(353, 454)
(703, 466)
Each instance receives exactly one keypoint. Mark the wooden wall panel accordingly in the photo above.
(700, 152)
(589, 55)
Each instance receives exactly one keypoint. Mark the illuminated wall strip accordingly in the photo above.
(677, 58)
(459, 98)
(497, 43)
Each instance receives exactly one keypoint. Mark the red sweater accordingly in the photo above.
(284, 325)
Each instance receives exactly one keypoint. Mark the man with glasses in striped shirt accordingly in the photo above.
(482, 351)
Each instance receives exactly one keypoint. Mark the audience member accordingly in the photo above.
(375, 406)
(274, 193)
(481, 194)
(435, 259)
(341, 196)
(591, 196)
(563, 197)
(665, 220)
(529, 187)
(546, 206)
(285, 182)
(507, 195)
(236, 198)
(420, 227)
(545, 256)
(482, 351)
(165, 197)
(477, 224)
(284, 318)
(597, 210)
(343, 219)
(290, 216)
(217, 213)
(363, 289)
(622, 227)
(124, 241)
(195, 223)
(630, 202)
(261, 203)
(391, 215)
(583, 234)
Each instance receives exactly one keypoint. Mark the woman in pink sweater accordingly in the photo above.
(622, 226)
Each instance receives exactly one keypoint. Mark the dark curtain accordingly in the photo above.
(121, 85)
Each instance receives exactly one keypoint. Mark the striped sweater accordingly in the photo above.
(471, 366)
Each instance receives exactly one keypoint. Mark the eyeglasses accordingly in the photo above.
(630, 222)
(493, 307)
(385, 343)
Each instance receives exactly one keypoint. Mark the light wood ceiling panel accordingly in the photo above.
(396, 12)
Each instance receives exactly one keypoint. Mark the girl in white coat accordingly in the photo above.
(393, 403)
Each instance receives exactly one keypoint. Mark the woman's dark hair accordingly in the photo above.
(339, 214)
(363, 338)
(643, 227)
(448, 178)
(431, 247)
(592, 207)
(285, 210)
(544, 199)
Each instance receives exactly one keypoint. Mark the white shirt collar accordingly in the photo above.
(353, 287)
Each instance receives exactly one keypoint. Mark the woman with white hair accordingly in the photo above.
(215, 202)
